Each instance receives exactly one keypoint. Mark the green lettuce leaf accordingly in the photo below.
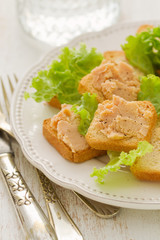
(150, 90)
(117, 159)
(143, 50)
(63, 76)
(86, 110)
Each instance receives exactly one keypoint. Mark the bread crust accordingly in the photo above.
(144, 28)
(98, 140)
(145, 174)
(148, 167)
(55, 102)
(114, 55)
(65, 150)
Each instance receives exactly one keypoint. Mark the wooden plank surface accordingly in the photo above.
(17, 53)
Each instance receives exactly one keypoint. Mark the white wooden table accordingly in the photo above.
(18, 53)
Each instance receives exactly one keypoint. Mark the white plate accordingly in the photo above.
(120, 189)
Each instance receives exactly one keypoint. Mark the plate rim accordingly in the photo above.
(126, 202)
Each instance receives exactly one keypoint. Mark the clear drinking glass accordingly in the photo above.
(57, 21)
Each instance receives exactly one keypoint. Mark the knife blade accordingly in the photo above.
(35, 224)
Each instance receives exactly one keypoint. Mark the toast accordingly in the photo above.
(119, 125)
(55, 103)
(115, 76)
(144, 28)
(62, 133)
(148, 167)
(114, 57)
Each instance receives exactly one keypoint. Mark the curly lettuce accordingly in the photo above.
(63, 76)
(86, 110)
(143, 50)
(117, 159)
(150, 90)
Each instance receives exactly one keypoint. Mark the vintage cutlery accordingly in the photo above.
(101, 210)
(59, 218)
(63, 225)
(32, 218)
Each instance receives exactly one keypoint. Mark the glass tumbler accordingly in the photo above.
(57, 21)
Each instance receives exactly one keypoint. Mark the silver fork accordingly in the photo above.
(100, 209)
(35, 224)
(63, 225)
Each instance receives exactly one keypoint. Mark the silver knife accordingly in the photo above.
(32, 218)
(60, 220)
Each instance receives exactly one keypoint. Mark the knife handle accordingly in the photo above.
(32, 218)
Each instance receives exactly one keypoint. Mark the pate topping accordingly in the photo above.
(65, 123)
(120, 80)
(121, 119)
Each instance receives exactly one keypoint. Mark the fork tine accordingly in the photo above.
(13, 80)
(10, 84)
(7, 86)
(5, 82)
(6, 99)
(1, 110)
(3, 106)
(15, 76)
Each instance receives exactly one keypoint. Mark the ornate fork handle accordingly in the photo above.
(65, 228)
(30, 214)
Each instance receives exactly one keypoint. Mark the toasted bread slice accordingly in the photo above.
(115, 76)
(119, 125)
(55, 103)
(62, 133)
(144, 28)
(148, 167)
(114, 57)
